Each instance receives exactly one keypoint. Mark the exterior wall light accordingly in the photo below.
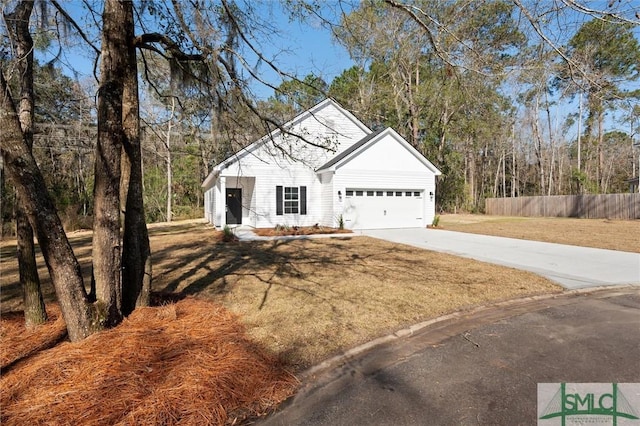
(431, 195)
(340, 195)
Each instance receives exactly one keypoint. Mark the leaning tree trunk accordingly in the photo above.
(136, 251)
(17, 24)
(63, 266)
(106, 229)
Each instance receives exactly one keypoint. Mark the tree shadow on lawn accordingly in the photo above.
(11, 290)
(189, 260)
(306, 267)
(204, 268)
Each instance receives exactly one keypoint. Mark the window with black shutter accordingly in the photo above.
(279, 205)
(303, 200)
(291, 200)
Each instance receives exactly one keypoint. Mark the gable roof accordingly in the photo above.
(367, 141)
(350, 150)
(275, 133)
(297, 119)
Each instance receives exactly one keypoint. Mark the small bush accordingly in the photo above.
(340, 222)
(436, 221)
(229, 235)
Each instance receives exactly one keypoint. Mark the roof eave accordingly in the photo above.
(211, 177)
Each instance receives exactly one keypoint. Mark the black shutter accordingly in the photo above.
(279, 200)
(303, 200)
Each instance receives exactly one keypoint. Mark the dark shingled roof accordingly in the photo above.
(350, 150)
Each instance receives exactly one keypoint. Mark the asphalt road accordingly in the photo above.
(478, 368)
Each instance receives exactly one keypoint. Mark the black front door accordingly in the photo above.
(234, 206)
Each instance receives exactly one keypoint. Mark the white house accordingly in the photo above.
(322, 166)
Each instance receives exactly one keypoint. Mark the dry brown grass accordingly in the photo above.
(302, 300)
(308, 299)
(622, 235)
(188, 363)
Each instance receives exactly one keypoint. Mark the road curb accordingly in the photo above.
(527, 303)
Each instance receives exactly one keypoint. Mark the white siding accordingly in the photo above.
(271, 167)
(331, 125)
(396, 179)
(387, 164)
(262, 205)
(327, 196)
(209, 204)
(219, 202)
(329, 128)
(386, 153)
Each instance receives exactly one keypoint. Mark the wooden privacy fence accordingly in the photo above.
(605, 206)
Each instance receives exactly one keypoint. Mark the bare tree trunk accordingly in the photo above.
(444, 118)
(1, 188)
(580, 132)
(560, 174)
(504, 174)
(551, 165)
(414, 109)
(136, 252)
(17, 24)
(34, 307)
(551, 143)
(600, 169)
(513, 161)
(485, 172)
(81, 317)
(538, 149)
(106, 228)
(471, 173)
(496, 180)
(167, 145)
(169, 184)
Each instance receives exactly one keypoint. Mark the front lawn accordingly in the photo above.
(300, 301)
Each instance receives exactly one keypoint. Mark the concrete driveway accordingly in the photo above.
(570, 266)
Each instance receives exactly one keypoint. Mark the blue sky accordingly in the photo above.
(304, 48)
(298, 48)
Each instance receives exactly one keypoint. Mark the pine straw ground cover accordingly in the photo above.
(188, 363)
(282, 230)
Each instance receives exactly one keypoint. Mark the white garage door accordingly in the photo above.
(383, 208)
